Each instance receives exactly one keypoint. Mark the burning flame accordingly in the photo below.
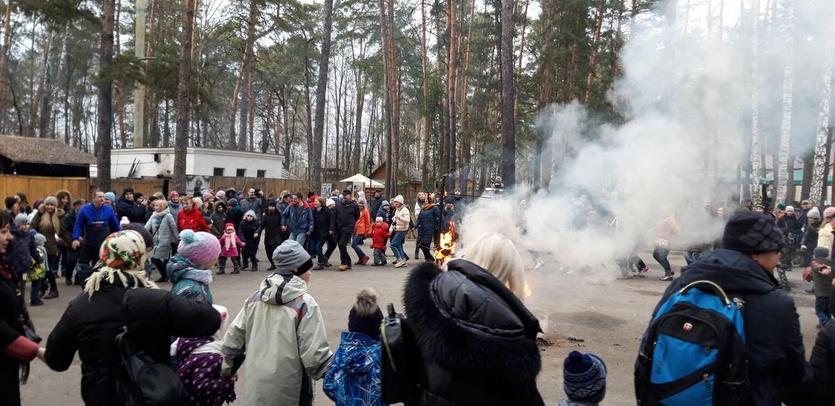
(446, 245)
(527, 291)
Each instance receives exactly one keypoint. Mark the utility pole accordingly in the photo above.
(139, 88)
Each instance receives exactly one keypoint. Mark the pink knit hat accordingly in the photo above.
(829, 212)
(199, 248)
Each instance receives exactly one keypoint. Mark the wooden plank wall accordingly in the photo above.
(145, 186)
(39, 187)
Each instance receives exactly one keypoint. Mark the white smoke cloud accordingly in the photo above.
(687, 103)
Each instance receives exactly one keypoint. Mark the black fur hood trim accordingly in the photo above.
(469, 322)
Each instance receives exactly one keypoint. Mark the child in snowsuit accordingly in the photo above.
(379, 235)
(229, 244)
(190, 269)
(22, 251)
(199, 362)
(38, 272)
(249, 231)
(354, 377)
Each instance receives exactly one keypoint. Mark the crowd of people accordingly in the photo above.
(470, 338)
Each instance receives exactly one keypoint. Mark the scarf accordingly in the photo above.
(128, 279)
(229, 241)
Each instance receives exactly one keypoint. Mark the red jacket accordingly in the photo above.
(191, 220)
(379, 233)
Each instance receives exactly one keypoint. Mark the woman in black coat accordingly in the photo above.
(323, 228)
(115, 296)
(476, 339)
(15, 348)
(427, 225)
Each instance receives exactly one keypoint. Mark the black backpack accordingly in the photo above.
(146, 381)
(401, 363)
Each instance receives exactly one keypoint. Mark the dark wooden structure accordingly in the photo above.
(42, 157)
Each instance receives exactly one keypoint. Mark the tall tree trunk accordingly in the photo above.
(249, 56)
(183, 102)
(595, 49)
(321, 92)
(783, 164)
(4, 56)
(518, 73)
(355, 156)
(120, 85)
(508, 96)
(233, 139)
(392, 93)
(427, 120)
(139, 88)
(452, 78)
(105, 96)
(756, 157)
(166, 124)
(819, 168)
(308, 115)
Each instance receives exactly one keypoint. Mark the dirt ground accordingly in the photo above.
(575, 313)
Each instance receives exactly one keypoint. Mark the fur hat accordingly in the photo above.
(199, 248)
(584, 378)
(51, 200)
(752, 233)
(366, 317)
(291, 259)
(21, 219)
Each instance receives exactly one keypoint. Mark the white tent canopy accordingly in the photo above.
(363, 180)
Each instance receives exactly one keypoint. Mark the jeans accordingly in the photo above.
(344, 258)
(316, 250)
(379, 257)
(660, 255)
(397, 245)
(822, 310)
(299, 238)
(69, 258)
(355, 244)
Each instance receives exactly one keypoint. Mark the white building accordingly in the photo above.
(203, 162)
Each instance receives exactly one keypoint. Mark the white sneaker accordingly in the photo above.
(396, 264)
(401, 265)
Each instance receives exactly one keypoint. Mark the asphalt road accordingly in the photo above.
(576, 311)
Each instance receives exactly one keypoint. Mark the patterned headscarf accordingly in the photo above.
(122, 256)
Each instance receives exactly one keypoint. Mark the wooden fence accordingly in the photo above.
(39, 187)
(271, 187)
(145, 186)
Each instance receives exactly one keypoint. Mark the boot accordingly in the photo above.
(254, 267)
(51, 295)
(364, 260)
(271, 268)
(236, 271)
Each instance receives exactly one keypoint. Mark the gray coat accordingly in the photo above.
(164, 229)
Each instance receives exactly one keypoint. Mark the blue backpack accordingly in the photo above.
(694, 351)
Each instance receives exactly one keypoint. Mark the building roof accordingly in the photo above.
(42, 151)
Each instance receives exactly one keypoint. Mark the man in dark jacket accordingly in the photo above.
(69, 256)
(376, 203)
(823, 365)
(254, 203)
(271, 229)
(347, 213)
(778, 371)
(126, 206)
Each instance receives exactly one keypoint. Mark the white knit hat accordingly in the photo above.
(398, 199)
(330, 203)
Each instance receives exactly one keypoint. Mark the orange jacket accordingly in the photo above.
(363, 226)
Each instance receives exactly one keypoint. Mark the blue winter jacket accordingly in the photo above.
(95, 224)
(427, 224)
(189, 281)
(297, 219)
(354, 376)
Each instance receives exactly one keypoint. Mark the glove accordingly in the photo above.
(226, 367)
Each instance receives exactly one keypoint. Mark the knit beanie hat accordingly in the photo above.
(789, 209)
(814, 213)
(828, 212)
(21, 219)
(110, 196)
(232, 202)
(398, 199)
(366, 317)
(199, 248)
(330, 203)
(752, 233)
(584, 377)
(291, 259)
(40, 240)
(51, 200)
(220, 195)
(250, 213)
(821, 253)
(172, 194)
(781, 206)
(139, 228)
(378, 219)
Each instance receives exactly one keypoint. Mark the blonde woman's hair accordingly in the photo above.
(498, 255)
(366, 302)
(163, 202)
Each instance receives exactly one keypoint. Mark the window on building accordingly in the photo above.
(218, 172)
(262, 173)
(240, 173)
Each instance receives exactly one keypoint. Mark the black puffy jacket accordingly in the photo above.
(823, 365)
(11, 309)
(778, 371)
(271, 227)
(90, 325)
(476, 338)
(346, 213)
(323, 223)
